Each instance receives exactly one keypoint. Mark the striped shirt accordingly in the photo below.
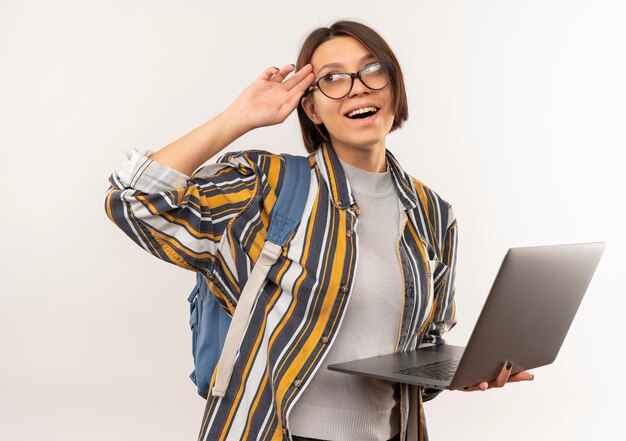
(215, 222)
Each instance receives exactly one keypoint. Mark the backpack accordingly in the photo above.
(212, 328)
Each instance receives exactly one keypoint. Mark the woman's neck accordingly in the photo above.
(370, 158)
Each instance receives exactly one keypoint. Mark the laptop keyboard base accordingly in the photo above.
(441, 370)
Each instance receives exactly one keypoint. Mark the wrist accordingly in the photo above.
(234, 120)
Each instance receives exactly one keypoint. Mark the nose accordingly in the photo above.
(358, 87)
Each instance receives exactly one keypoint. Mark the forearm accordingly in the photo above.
(192, 150)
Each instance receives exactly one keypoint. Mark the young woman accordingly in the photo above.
(370, 269)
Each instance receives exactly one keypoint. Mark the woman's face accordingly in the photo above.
(347, 54)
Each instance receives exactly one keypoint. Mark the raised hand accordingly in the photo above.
(271, 98)
(267, 101)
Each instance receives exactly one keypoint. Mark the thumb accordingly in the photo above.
(504, 374)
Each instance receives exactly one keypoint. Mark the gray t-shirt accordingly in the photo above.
(338, 406)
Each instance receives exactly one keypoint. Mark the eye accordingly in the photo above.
(373, 68)
(331, 77)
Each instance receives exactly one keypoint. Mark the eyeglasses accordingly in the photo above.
(337, 85)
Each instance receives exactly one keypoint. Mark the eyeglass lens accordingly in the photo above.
(338, 85)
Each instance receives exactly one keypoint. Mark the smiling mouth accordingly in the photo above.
(362, 113)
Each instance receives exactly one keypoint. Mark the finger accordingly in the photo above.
(522, 376)
(283, 72)
(300, 87)
(295, 96)
(297, 92)
(477, 387)
(299, 76)
(267, 73)
(503, 376)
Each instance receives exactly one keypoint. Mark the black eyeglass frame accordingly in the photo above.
(353, 75)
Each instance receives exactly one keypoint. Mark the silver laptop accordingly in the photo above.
(525, 318)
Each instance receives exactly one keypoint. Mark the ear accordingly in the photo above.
(309, 107)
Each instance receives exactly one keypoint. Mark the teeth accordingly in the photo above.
(363, 110)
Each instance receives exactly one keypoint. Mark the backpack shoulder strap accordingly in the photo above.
(285, 218)
(290, 204)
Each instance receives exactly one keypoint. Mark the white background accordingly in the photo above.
(516, 118)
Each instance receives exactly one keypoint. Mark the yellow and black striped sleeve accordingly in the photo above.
(178, 218)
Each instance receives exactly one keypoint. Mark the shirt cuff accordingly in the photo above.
(143, 174)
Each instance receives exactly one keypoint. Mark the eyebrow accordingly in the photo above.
(364, 58)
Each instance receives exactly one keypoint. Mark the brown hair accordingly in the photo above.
(314, 135)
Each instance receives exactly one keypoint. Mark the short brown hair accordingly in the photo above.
(313, 135)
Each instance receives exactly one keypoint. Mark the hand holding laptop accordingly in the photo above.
(503, 378)
(524, 321)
